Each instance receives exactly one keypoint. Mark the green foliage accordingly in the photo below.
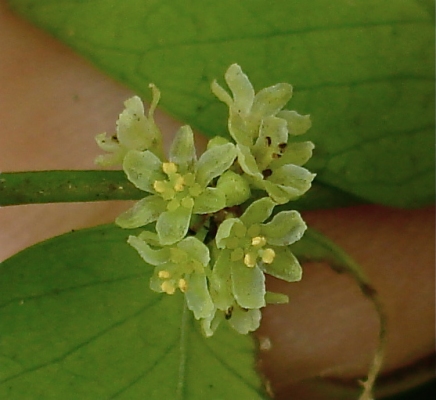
(78, 322)
(364, 69)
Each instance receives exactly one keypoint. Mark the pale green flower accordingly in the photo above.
(135, 131)
(261, 130)
(178, 188)
(183, 266)
(246, 249)
(247, 109)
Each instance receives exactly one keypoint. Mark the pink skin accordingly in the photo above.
(52, 103)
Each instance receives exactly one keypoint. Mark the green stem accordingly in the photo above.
(38, 187)
(65, 186)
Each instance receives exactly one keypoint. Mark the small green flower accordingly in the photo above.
(246, 248)
(178, 188)
(274, 165)
(247, 109)
(261, 130)
(183, 266)
(135, 131)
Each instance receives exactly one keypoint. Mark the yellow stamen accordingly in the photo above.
(168, 287)
(268, 256)
(180, 184)
(169, 167)
(183, 285)
(164, 274)
(258, 241)
(249, 260)
(159, 186)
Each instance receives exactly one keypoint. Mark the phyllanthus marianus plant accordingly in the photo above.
(211, 232)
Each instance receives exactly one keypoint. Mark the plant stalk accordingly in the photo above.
(38, 187)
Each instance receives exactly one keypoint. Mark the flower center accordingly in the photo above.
(248, 245)
(177, 277)
(179, 190)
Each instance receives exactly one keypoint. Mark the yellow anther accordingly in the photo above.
(180, 184)
(183, 285)
(258, 241)
(268, 256)
(168, 287)
(169, 167)
(159, 186)
(164, 274)
(250, 260)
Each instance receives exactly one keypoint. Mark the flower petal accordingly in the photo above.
(241, 87)
(297, 153)
(248, 285)
(285, 266)
(149, 255)
(209, 201)
(132, 126)
(216, 141)
(182, 151)
(221, 93)
(143, 212)
(245, 321)
(225, 230)
(285, 228)
(297, 124)
(196, 250)
(220, 281)
(269, 101)
(258, 211)
(247, 161)
(143, 169)
(294, 179)
(211, 323)
(279, 193)
(197, 296)
(111, 145)
(214, 161)
(242, 130)
(172, 226)
(234, 187)
(276, 298)
(273, 133)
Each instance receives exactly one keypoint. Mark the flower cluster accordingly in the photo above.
(205, 236)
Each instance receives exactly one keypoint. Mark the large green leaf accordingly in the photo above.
(78, 321)
(363, 69)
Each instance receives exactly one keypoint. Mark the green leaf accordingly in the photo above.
(364, 70)
(78, 321)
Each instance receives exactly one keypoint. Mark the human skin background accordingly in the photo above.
(52, 103)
